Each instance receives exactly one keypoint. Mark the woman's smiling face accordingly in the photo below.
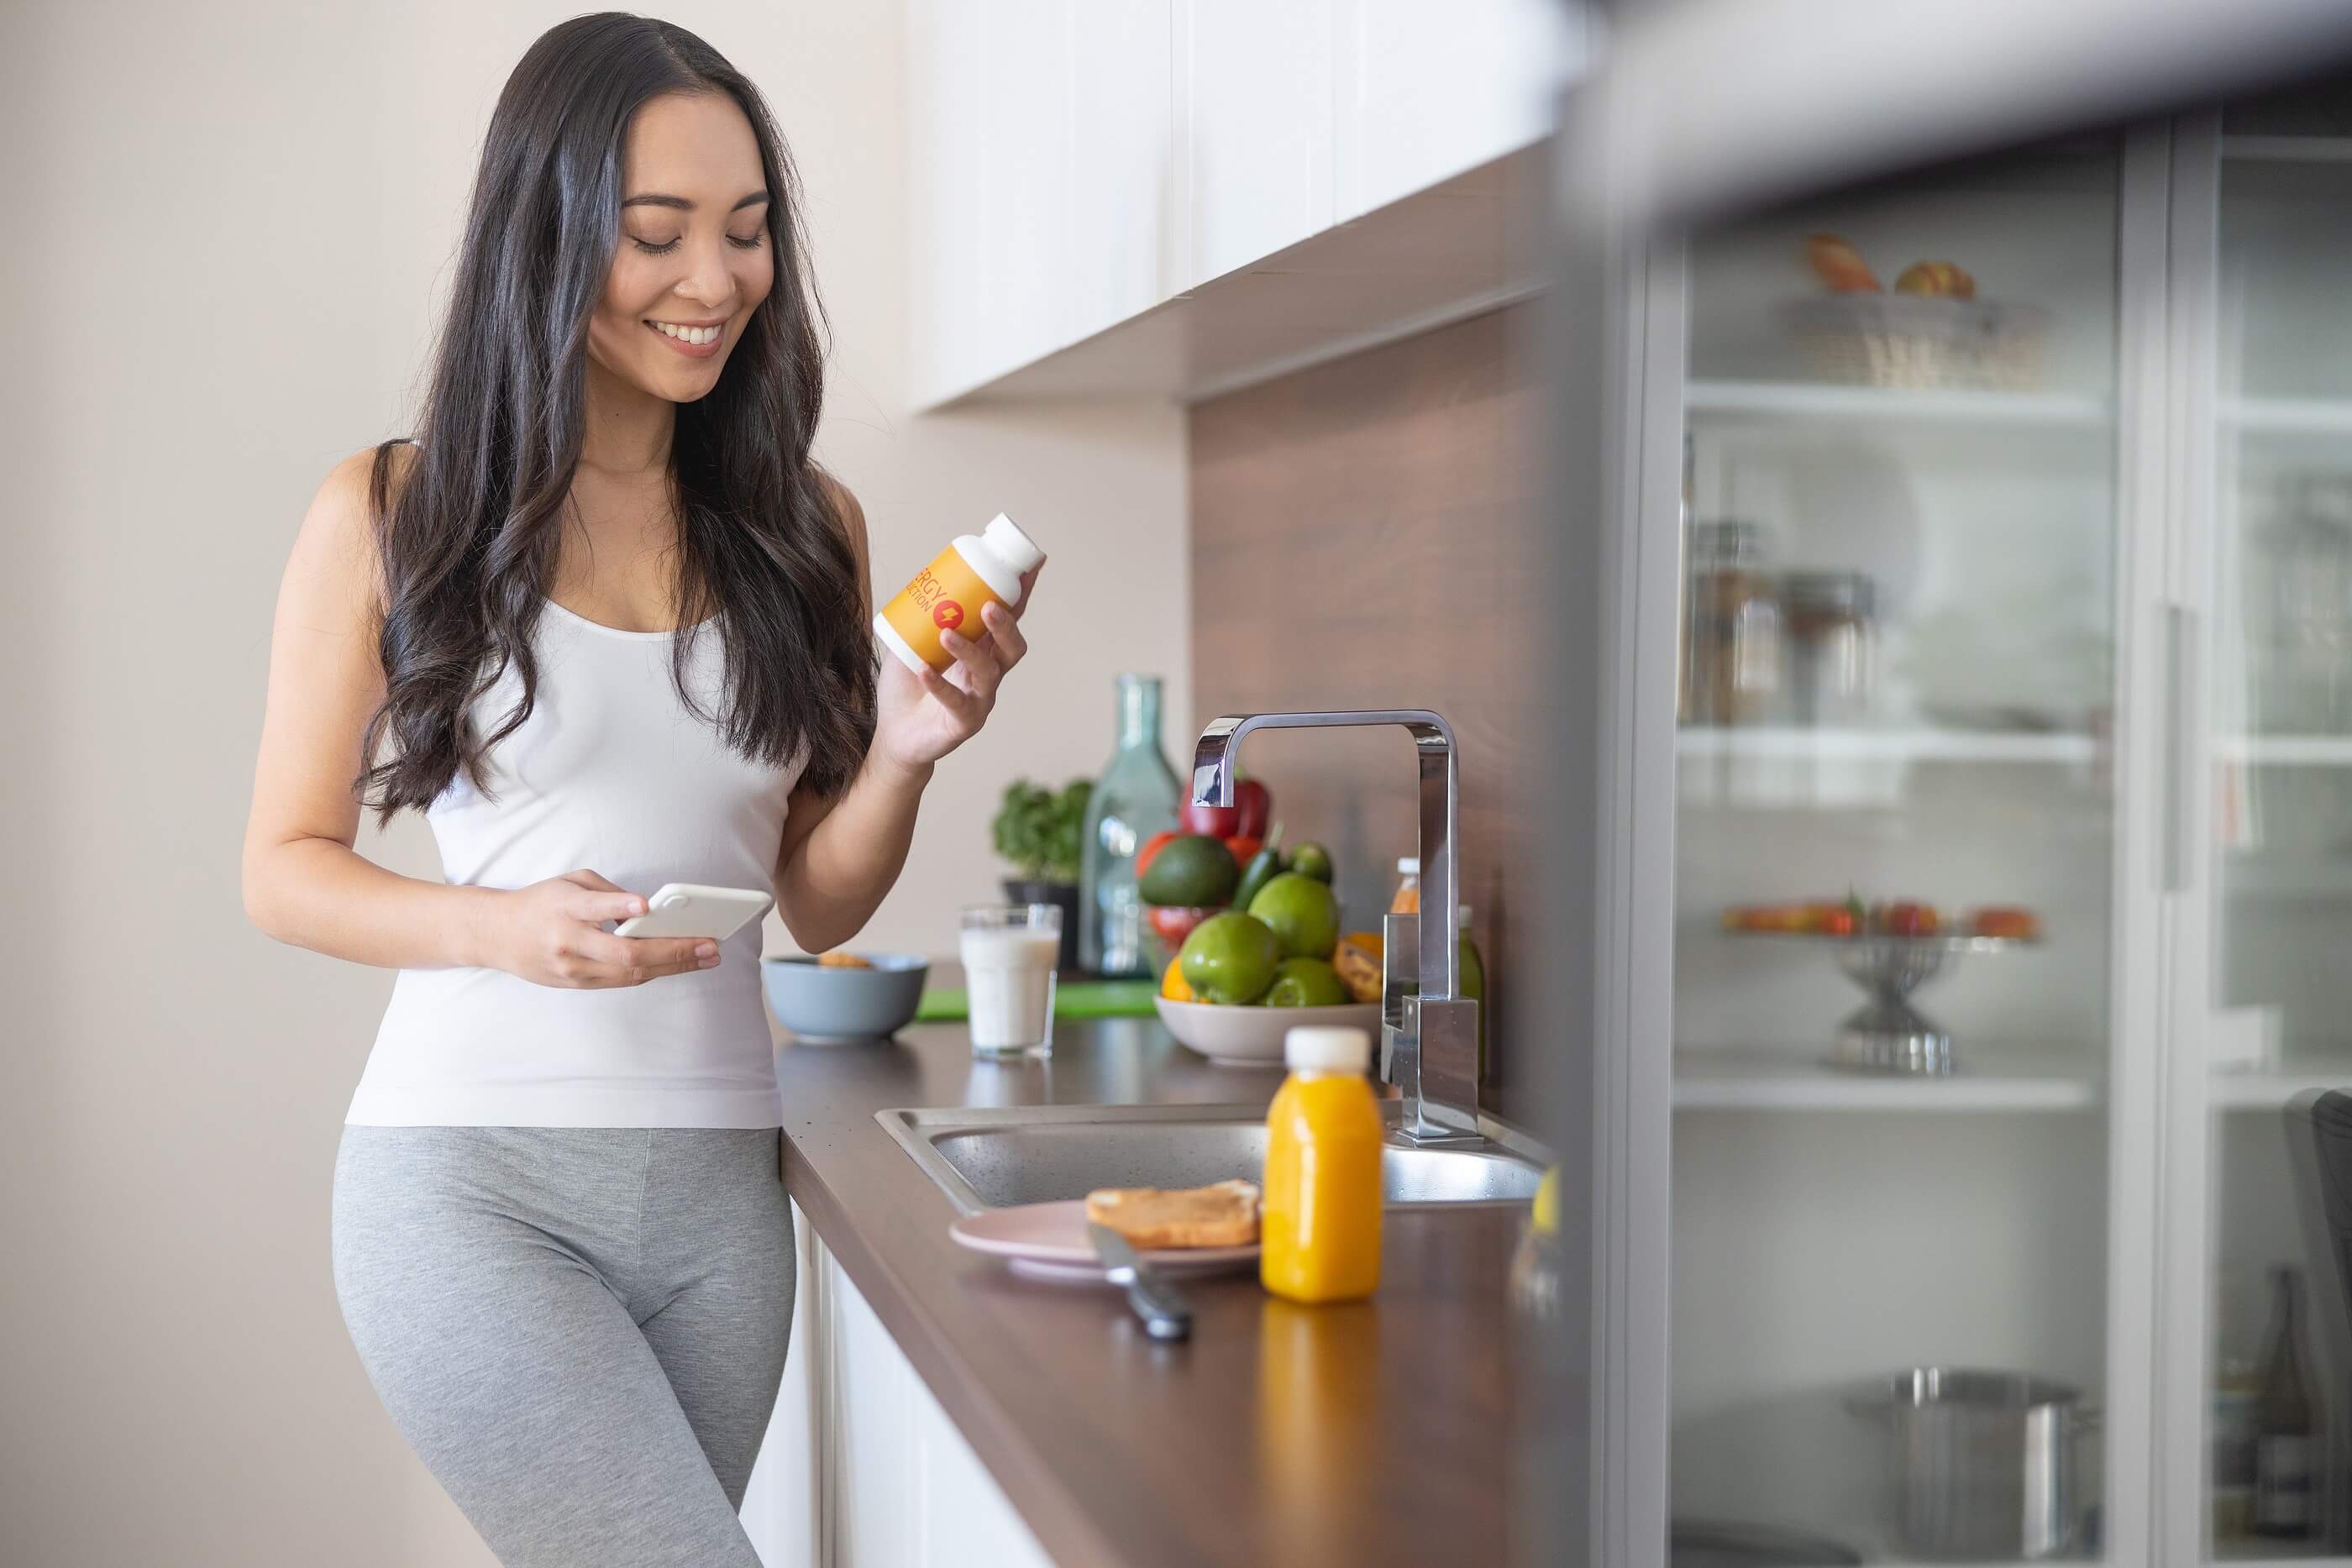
(694, 257)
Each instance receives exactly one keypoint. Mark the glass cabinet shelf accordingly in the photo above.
(2269, 1089)
(1892, 745)
(1807, 400)
(1997, 1078)
(2288, 415)
(2285, 750)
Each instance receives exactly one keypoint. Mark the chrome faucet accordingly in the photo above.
(1434, 1058)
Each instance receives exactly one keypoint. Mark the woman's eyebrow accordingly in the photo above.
(655, 199)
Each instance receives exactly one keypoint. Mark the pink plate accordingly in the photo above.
(1049, 1241)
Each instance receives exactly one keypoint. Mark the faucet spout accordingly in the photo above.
(1436, 1053)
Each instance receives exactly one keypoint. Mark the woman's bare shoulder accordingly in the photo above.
(338, 537)
(848, 514)
(845, 507)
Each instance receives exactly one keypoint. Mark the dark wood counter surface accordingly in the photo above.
(1371, 1433)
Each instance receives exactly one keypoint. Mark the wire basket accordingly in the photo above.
(1920, 341)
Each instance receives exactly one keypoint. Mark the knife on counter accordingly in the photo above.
(1166, 1314)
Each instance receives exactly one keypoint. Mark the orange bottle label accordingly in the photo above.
(945, 595)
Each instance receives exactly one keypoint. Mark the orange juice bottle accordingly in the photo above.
(974, 571)
(1320, 1223)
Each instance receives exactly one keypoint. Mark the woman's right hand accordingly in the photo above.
(548, 934)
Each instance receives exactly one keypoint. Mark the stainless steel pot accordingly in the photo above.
(1979, 1465)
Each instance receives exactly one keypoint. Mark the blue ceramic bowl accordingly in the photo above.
(837, 1005)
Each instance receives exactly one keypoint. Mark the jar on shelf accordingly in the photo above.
(1736, 655)
(1832, 645)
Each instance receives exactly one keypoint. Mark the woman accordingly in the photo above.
(605, 624)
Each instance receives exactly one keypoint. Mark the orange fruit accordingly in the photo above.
(1172, 984)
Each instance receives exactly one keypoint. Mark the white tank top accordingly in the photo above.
(610, 773)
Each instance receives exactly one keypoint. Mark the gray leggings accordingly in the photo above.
(580, 1330)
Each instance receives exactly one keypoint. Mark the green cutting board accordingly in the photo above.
(1071, 999)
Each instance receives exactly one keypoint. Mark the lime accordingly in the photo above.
(1230, 958)
(1303, 912)
(1190, 872)
(1312, 860)
(1306, 983)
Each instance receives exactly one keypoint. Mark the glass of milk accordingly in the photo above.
(1009, 953)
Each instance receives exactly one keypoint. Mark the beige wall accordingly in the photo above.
(227, 225)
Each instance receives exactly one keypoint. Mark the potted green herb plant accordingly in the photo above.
(1040, 831)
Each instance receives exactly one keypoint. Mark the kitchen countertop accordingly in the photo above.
(1364, 1433)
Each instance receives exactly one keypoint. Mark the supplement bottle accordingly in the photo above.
(974, 571)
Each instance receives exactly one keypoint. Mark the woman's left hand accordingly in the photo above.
(921, 718)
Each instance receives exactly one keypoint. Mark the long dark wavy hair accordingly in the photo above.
(469, 541)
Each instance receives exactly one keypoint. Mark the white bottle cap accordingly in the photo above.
(1409, 866)
(1018, 550)
(1327, 1049)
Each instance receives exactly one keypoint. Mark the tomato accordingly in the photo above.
(1212, 821)
(1172, 923)
(2017, 924)
(1776, 917)
(1837, 921)
(1151, 848)
(1906, 919)
(1244, 848)
(1254, 801)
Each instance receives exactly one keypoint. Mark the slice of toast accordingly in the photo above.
(1224, 1215)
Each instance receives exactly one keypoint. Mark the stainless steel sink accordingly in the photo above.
(1035, 1153)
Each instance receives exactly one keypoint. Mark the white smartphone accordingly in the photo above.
(691, 909)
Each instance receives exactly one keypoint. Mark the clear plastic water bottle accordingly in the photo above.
(1135, 797)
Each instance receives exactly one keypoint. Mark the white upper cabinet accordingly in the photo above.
(1074, 163)
(1254, 123)
(1124, 233)
(949, 276)
(1027, 175)
(1422, 92)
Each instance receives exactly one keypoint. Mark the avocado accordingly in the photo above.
(1192, 872)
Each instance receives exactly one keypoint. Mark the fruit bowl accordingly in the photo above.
(1252, 1036)
(1888, 1034)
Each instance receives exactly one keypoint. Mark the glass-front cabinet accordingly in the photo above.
(1988, 849)
(2264, 258)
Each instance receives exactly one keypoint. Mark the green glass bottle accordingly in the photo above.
(1136, 797)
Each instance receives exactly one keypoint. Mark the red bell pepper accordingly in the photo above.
(1254, 801)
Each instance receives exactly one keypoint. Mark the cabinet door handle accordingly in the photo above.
(2180, 745)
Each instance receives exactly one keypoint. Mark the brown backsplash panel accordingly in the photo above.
(1363, 536)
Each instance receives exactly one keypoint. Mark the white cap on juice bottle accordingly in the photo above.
(1327, 1049)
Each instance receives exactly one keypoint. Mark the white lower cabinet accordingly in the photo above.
(861, 1468)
